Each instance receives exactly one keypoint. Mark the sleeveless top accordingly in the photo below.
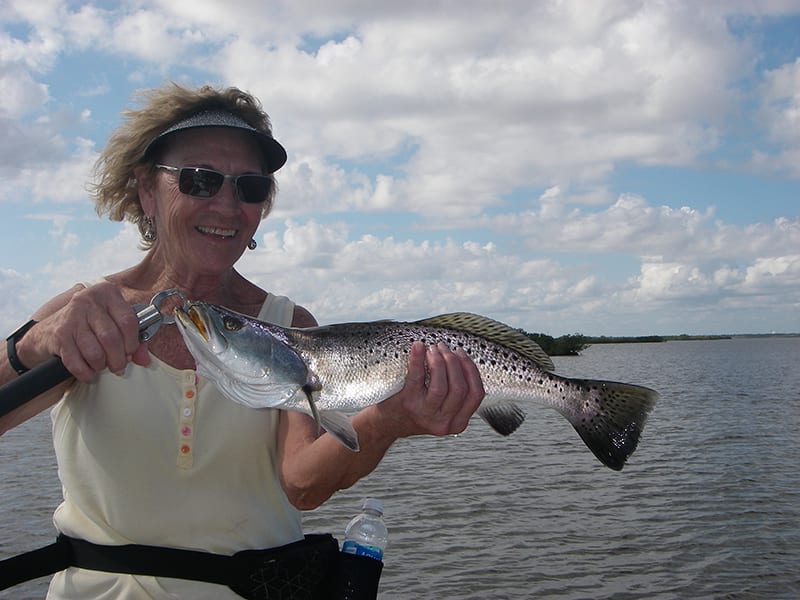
(160, 457)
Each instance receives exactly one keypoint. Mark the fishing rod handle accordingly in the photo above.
(27, 386)
(52, 372)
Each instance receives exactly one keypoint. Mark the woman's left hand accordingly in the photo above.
(443, 390)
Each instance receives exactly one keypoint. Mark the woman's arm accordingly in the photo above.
(90, 329)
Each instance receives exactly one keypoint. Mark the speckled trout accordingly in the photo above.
(330, 371)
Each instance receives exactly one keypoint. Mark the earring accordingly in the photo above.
(149, 234)
(252, 244)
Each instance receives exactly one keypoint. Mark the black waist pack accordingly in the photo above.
(309, 569)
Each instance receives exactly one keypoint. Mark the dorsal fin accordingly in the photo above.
(494, 331)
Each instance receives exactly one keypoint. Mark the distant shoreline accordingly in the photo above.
(647, 339)
(573, 345)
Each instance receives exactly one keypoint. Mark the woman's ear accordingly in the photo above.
(145, 181)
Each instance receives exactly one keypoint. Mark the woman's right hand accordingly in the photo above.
(90, 329)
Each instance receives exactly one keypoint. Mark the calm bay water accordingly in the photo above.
(708, 506)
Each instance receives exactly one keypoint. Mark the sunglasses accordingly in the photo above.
(205, 183)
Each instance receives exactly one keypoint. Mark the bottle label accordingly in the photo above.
(351, 547)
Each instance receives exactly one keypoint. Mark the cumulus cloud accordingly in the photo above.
(442, 156)
(341, 276)
(109, 256)
(780, 111)
(15, 307)
(471, 96)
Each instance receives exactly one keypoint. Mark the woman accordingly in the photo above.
(147, 452)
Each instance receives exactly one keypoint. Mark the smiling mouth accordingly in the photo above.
(217, 231)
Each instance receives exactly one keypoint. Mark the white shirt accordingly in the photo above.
(159, 457)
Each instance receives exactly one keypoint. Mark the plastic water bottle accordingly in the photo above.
(366, 534)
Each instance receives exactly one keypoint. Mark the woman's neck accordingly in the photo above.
(229, 289)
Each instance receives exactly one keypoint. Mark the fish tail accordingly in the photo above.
(610, 417)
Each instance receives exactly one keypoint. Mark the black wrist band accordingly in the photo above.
(11, 347)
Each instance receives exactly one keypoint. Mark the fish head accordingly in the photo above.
(246, 358)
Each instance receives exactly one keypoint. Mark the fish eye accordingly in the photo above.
(232, 323)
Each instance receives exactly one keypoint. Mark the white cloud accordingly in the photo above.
(456, 116)
(781, 113)
(309, 185)
(486, 100)
(630, 225)
(774, 281)
(342, 278)
(20, 92)
(109, 256)
(65, 181)
(36, 168)
(17, 299)
(774, 274)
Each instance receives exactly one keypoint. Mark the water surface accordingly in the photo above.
(708, 506)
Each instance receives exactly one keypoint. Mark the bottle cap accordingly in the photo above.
(373, 504)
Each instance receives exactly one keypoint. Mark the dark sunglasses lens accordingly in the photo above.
(200, 183)
(253, 188)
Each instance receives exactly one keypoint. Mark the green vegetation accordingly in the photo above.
(643, 339)
(566, 345)
(574, 344)
(694, 338)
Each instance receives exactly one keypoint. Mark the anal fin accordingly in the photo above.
(503, 417)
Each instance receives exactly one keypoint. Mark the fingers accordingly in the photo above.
(454, 390)
(417, 370)
(118, 334)
(97, 329)
(447, 379)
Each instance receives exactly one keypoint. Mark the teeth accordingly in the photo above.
(217, 231)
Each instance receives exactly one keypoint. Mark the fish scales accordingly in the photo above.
(367, 362)
(337, 369)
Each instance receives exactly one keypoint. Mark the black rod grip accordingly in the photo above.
(32, 383)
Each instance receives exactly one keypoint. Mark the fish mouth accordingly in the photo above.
(192, 317)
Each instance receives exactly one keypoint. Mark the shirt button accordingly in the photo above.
(185, 449)
(187, 412)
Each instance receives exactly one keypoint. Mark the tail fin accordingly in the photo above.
(611, 418)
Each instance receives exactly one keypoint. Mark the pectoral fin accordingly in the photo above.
(313, 405)
(339, 426)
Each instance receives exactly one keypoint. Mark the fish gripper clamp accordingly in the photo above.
(151, 317)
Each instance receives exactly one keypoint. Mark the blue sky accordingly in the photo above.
(609, 168)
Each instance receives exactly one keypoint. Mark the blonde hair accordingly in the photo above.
(115, 189)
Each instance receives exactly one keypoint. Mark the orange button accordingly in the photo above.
(189, 393)
(185, 449)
